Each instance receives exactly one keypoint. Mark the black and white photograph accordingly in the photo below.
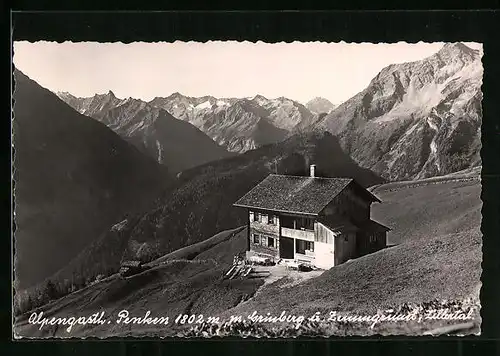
(246, 189)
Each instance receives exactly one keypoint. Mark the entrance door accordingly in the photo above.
(286, 248)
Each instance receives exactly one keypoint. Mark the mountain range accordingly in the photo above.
(73, 178)
(154, 131)
(432, 106)
(236, 124)
(416, 119)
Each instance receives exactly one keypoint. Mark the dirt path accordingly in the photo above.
(278, 273)
(400, 186)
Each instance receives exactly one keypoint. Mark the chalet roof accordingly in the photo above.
(297, 194)
(348, 225)
(339, 224)
(372, 225)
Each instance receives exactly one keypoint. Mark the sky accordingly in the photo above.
(299, 71)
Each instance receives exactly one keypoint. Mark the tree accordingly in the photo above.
(50, 291)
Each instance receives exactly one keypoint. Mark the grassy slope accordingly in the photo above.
(445, 264)
(445, 267)
(438, 227)
(416, 211)
(192, 286)
(197, 249)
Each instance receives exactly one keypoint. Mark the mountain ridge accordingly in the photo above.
(172, 142)
(233, 123)
(319, 105)
(73, 177)
(432, 105)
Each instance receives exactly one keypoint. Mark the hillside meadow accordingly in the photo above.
(433, 261)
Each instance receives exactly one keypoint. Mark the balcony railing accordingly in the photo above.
(307, 235)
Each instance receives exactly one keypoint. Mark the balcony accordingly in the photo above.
(307, 235)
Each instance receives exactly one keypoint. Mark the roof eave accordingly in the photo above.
(370, 194)
(272, 209)
(381, 225)
(374, 198)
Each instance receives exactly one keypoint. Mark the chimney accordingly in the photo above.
(312, 169)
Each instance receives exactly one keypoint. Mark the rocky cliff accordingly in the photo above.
(417, 119)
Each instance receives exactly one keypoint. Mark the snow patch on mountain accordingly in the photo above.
(222, 103)
(433, 145)
(160, 151)
(137, 126)
(204, 105)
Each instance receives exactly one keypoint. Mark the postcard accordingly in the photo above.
(225, 188)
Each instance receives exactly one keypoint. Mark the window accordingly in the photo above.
(271, 220)
(263, 240)
(262, 218)
(270, 242)
(346, 238)
(301, 246)
(373, 238)
(256, 238)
